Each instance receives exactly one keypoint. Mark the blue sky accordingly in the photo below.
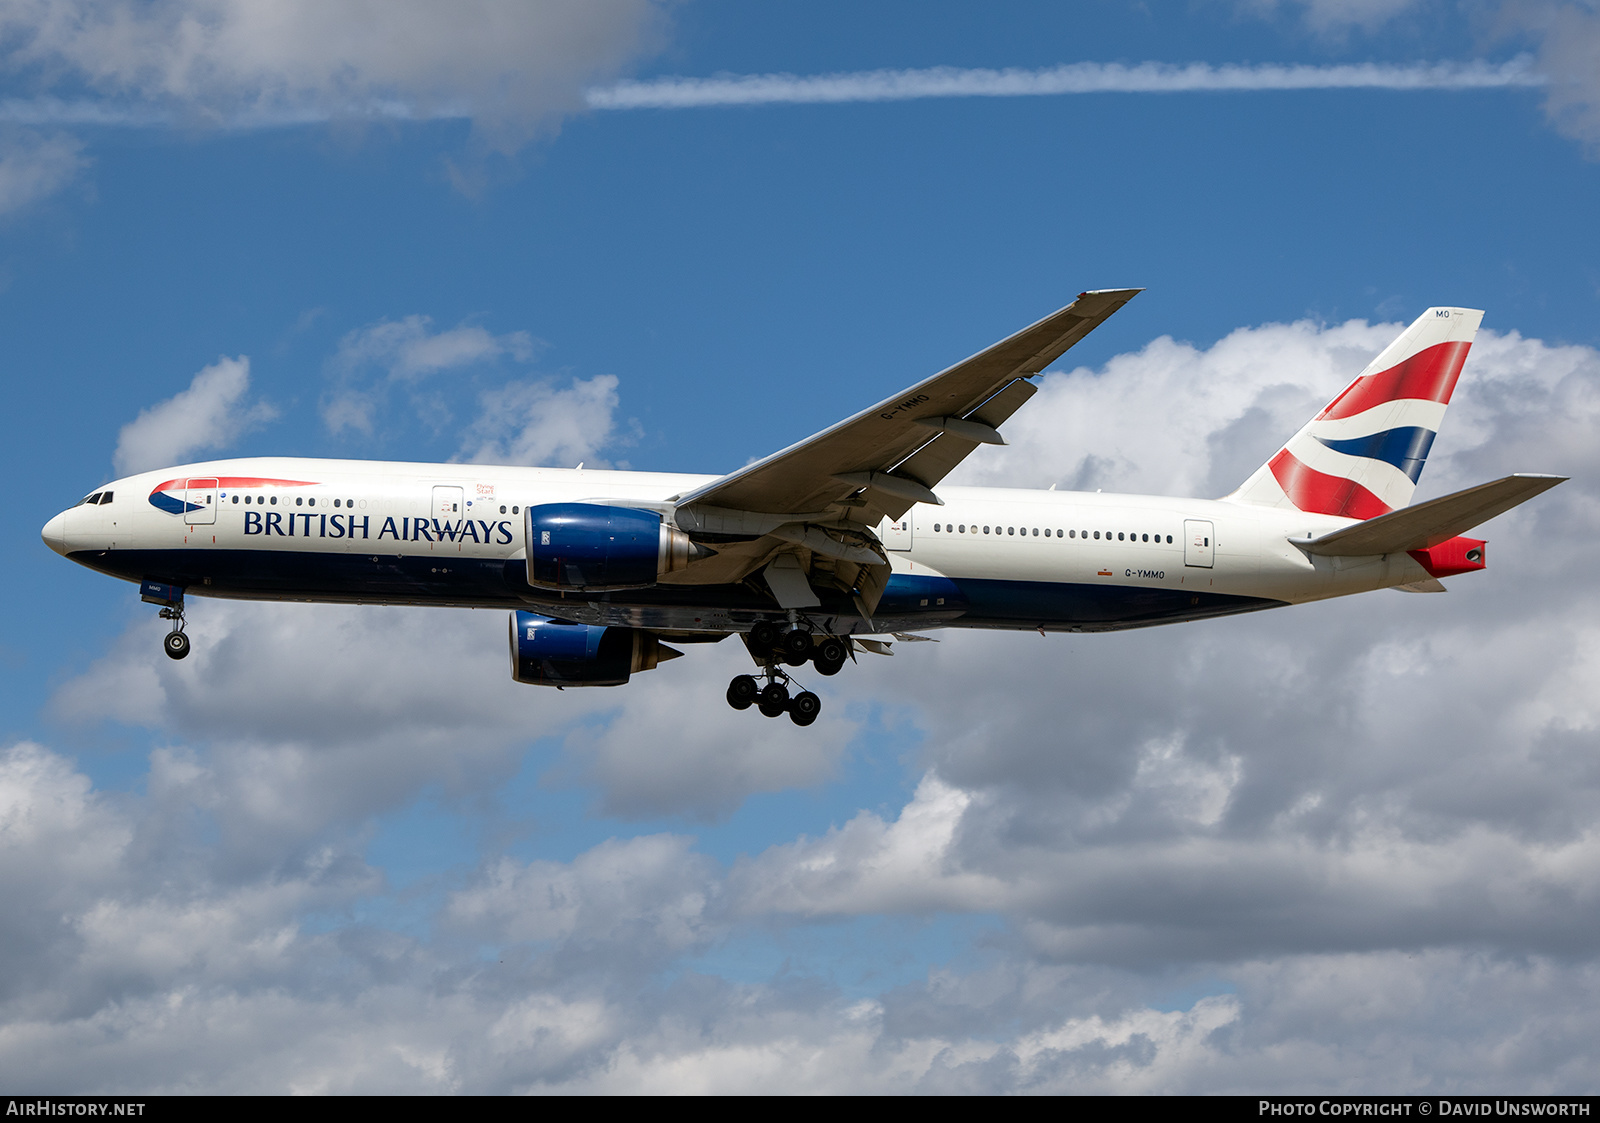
(985, 863)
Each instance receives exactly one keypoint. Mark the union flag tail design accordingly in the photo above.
(1361, 456)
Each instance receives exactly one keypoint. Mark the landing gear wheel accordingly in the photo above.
(774, 699)
(805, 708)
(764, 636)
(796, 647)
(829, 656)
(742, 692)
(176, 645)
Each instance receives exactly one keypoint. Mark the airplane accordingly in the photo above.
(836, 545)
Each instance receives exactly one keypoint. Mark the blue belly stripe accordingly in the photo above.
(909, 601)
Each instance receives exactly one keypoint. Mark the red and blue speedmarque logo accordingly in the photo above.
(177, 497)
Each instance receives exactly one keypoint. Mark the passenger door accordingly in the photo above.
(447, 503)
(200, 502)
(896, 533)
(1198, 539)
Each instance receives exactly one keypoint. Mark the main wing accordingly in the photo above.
(896, 452)
(805, 513)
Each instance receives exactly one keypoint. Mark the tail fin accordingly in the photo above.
(1361, 456)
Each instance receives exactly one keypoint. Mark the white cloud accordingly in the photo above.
(512, 65)
(1565, 34)
(408, 352)
(1070, 78)
(210, 414)
(34, 166)
(1172, 419)
(1175, 419)
(625, 897)
(1337, 17)
(1568, 38)
(539, 423)
(869, 866)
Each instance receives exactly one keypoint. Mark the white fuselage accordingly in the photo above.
(399, 533)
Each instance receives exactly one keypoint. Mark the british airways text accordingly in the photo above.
(304, 525)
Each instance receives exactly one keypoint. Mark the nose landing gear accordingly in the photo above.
(176, 645)
(170, 598)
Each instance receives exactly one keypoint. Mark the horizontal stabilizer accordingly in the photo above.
(1429, 524)
(1426, 585)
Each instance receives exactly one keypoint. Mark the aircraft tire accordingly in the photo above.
(805, 707)
(176, 645)
(742, 692)
(764, 637)
(796, 647)
(829, 656)
(774, 700)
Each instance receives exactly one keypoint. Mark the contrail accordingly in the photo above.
(43, 111)
(1072, 78)
(792, 89)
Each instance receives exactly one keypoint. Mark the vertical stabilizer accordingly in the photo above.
(1361, 456)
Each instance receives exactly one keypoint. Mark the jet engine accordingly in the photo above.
(547, 652)
(594, 547)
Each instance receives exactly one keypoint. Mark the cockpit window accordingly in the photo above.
(105, 497)
(95, 498)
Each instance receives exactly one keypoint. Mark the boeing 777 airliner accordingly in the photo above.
(834, 545)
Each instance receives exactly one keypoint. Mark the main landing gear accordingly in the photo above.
(773, 698)
(770, 645)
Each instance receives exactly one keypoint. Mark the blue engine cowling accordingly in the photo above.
(593, 546)
(547, 652)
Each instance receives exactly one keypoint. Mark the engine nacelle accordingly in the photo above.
(546, 652)
(594, 547)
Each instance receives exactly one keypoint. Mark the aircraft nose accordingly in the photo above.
(55, 534)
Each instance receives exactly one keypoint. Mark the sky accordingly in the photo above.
(1344, 847)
